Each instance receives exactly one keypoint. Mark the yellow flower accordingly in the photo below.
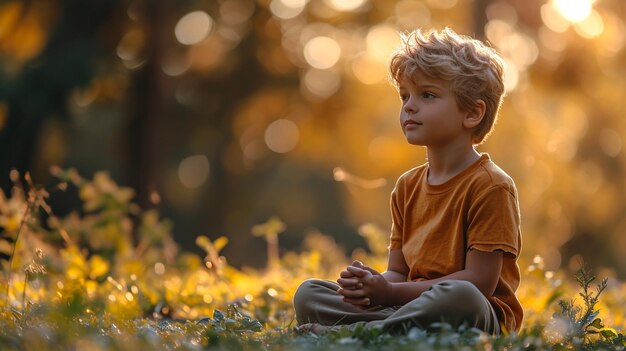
(98, 267)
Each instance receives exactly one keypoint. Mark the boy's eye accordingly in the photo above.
(404, 97)
(428, 95)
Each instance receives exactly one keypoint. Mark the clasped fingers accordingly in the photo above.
(352, 293)
(349, 283)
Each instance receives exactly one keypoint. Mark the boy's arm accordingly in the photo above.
(482, 269)
(397, 269)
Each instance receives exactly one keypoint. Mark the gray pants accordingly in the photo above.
(455, 302)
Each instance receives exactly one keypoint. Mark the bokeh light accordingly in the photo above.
(411, 14)
(591, 27)
(175, 63)
(368, 70)
(572, 10)
(287, 9)
(614, 35)
(552, 19)
(321, 83)
(282, 136)
(193, 27)
(193, 171)
(610, 142)
(381, 41)
(322, 52)
(236, 12)
(345, 5)
(502, 11)
(131, 44)
(442, 4)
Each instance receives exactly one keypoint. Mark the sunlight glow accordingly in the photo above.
(552, 19)
(411, 14)
(345, 5)
(521, 49)
(193, 28)
(610, 142)
(367, 70)
(511, 76)
(550, 40)
(614, 34)
(573, 10)
(590, 27)
(502, 11)
(322, 52)
(282, 136)
(381, 41)
(442, 4)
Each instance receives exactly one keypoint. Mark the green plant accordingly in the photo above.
(580, 325)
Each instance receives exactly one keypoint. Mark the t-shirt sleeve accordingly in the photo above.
(494, 221)
(397, 217)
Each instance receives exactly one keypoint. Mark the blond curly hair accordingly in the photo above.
(473, 70)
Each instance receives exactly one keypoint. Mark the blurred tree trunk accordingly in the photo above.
(232, 90)
(148, 103)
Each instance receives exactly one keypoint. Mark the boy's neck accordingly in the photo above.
(445, 163)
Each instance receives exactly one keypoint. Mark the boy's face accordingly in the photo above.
(430, 115)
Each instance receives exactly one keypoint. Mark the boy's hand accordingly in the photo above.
(375, 289)
(347, 279)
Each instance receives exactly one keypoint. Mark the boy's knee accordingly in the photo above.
(303, 298)
(303, 291)
(460, 296)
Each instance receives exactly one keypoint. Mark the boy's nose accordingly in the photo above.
(410, 107)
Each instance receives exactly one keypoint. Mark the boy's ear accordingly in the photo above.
(475, 114)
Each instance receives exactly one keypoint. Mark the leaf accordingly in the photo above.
(590, 318)
(597, 323)
(253, 325)
(204, 321)
(218, 315)
(203, 242)
(220, 243)
(608, 334)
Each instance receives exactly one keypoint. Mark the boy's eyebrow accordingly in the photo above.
(428, 85)
(425, 85)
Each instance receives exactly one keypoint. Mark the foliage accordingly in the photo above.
(109, 277)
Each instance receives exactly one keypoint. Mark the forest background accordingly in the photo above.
(222, 114)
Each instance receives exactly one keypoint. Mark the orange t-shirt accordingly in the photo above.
(435, 225)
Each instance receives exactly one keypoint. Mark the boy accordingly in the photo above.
(455, 234)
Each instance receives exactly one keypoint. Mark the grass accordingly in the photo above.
(110, 277)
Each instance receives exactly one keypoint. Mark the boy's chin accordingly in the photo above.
(415, 142)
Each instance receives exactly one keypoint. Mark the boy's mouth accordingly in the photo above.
(409, 122)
